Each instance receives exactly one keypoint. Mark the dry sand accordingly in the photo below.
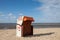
(39, 34)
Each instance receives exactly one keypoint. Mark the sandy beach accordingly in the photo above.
(39, 34)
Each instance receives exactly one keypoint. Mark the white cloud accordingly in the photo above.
(11, 16)
(51, 10)
(20, 14)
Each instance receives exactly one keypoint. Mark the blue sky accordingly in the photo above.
(43, 11)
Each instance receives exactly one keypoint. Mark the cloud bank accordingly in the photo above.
(7, 18)
(11, 16)
(51, 10)
(20, 14)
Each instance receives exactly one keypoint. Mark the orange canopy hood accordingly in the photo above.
(28, 18)
(25, 18)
